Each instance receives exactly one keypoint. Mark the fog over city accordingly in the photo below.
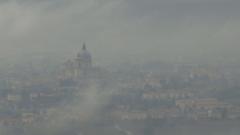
(121, 67)
(122, 30)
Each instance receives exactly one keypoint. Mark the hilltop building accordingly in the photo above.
(80, 69)
(84, 59)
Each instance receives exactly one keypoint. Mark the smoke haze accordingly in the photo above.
(37, 35)
(116, 30)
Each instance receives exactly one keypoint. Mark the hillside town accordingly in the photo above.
(81, 92)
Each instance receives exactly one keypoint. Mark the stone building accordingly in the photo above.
(80, 70)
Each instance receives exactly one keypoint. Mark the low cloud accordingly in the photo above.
(116, 31)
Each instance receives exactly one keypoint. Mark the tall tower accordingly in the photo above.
(84, 59)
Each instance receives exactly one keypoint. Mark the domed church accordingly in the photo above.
(84, 59)
(81, 69)
(78, 67)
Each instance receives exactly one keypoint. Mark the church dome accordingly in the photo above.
(84, 59)
(84, 54)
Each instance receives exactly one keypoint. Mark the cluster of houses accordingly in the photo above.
(191, 109)
(138, 96)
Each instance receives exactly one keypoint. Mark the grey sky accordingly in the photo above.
(122, 30)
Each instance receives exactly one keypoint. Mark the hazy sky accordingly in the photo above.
(122, 30)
